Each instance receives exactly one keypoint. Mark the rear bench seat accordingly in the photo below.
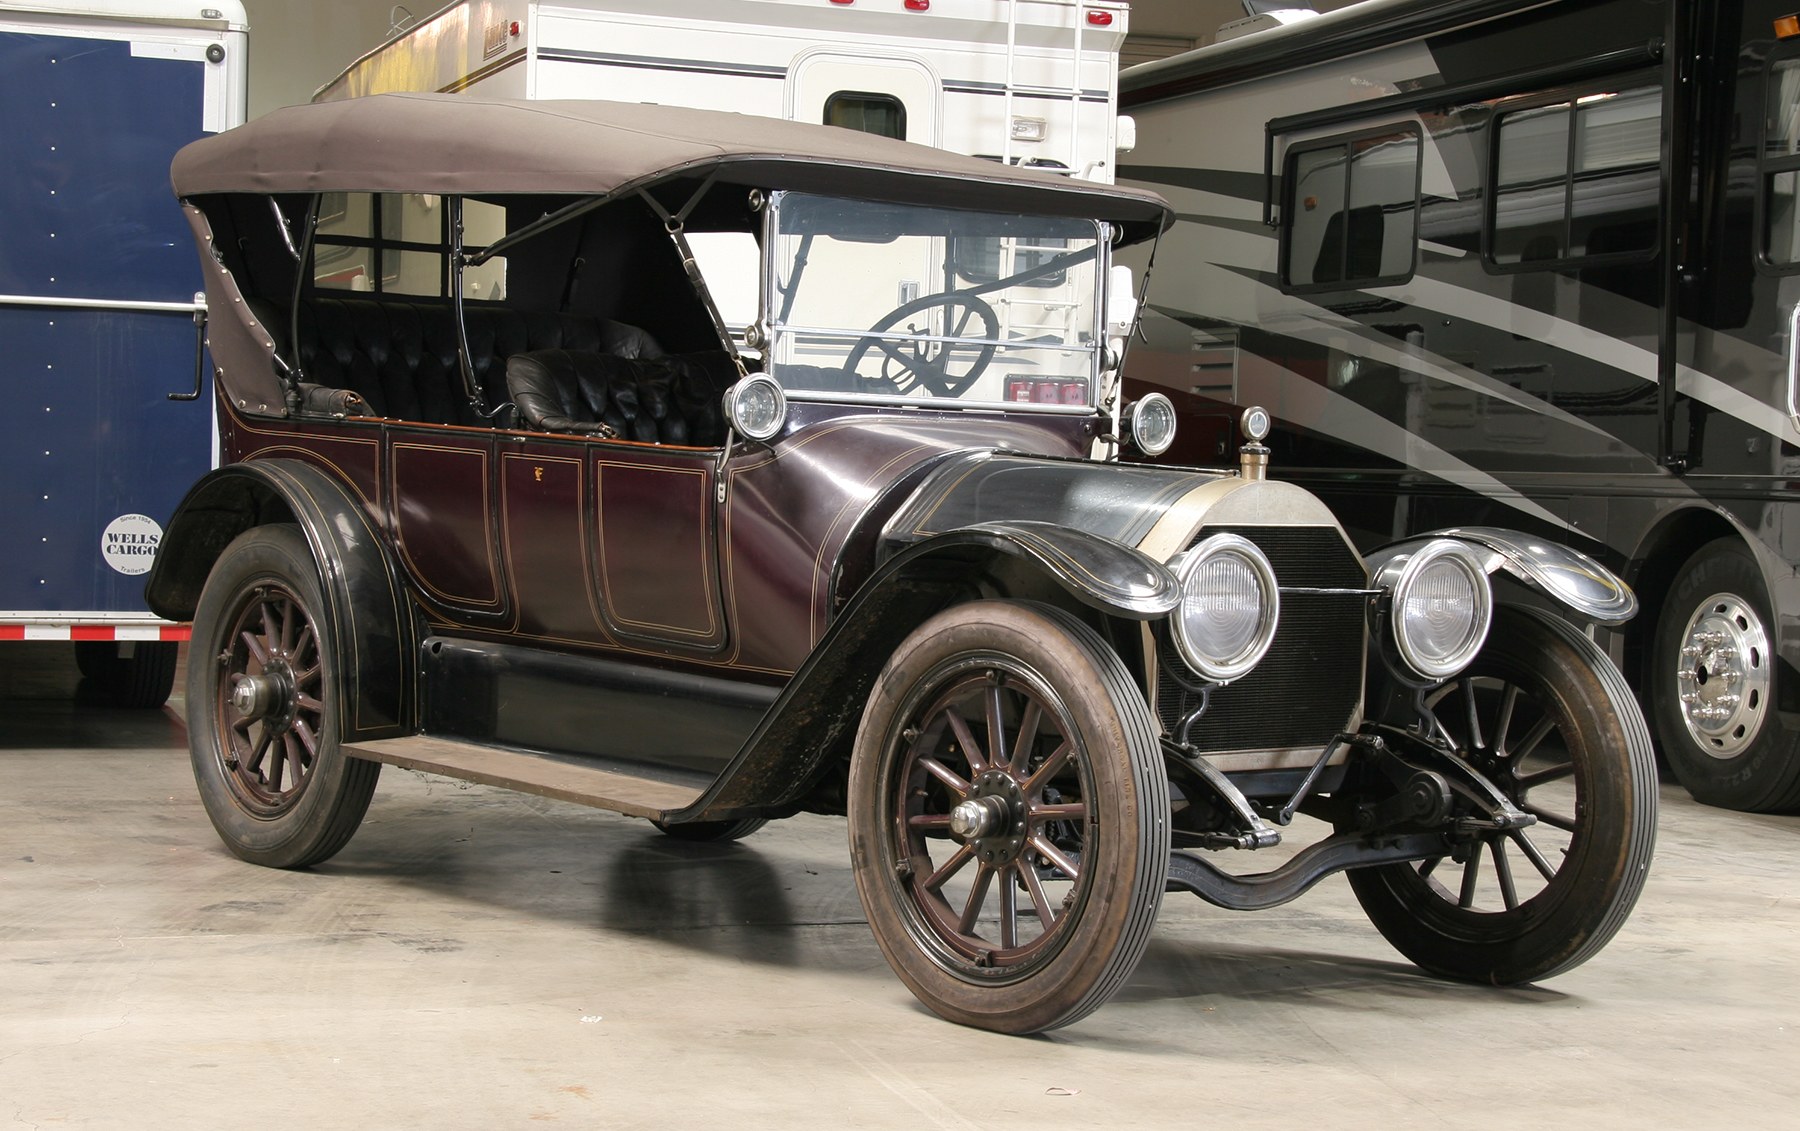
(401, 357)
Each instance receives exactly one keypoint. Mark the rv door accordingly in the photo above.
(894, 96)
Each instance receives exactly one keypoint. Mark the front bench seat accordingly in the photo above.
(669, 400)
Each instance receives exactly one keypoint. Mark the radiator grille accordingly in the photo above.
(1308, 686)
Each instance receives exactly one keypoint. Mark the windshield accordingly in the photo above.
(887, 301)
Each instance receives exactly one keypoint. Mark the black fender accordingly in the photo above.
(1096, 570)
(1569, 577)
(368, 619)
(811, 725)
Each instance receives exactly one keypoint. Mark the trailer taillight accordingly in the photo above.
(918, 5)
(1100, 19)
(1787, 27)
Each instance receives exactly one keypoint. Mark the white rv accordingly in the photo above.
(1031, 82)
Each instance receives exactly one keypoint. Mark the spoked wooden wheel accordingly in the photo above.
(269, 702)
(264, 736)
(1545, 716)
(1009, 817)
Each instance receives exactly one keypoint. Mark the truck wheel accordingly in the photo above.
(711, 832)
(141, 680)
(263, 720)
(1547, 718)
(1008, 811)
(1712, 685)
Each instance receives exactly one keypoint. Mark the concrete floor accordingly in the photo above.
(482, 959)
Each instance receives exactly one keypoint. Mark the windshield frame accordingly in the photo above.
(772, 301)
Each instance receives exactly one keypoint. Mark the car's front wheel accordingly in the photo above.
(262, 710)
(1546, 717)
(1009, 817)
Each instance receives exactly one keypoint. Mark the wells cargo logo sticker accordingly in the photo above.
(129, 543)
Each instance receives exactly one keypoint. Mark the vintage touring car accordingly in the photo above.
(510, 494)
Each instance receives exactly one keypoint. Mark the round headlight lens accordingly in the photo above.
(1150, 424)
(756, 407)
(1229, 607)
(1441, 610)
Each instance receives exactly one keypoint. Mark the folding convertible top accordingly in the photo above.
(459, 144)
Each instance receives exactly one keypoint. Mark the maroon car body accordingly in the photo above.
(507, 494)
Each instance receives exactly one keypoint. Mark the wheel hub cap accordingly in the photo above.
(265, 696)
(992, 818)
(1723, 675)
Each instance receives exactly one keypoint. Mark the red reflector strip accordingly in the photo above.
(96, 632)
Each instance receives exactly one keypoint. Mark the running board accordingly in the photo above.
(526, 772)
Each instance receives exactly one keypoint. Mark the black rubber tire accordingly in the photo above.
(95, 658)
(1118, 844)
(1610, 813)
(1764, 774)
(138, 682)
(263, 568)
(711, 832)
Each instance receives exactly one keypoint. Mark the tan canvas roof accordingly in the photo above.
(459, 144)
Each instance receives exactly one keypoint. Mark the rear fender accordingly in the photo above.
(368, 618)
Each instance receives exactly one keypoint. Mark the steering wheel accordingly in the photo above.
(943, 369)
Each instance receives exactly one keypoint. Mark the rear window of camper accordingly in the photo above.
(1352, 210)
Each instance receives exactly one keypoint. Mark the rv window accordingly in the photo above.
(1781, 164)
(1352, 209)
(407, 235)
(879, 114)
(983, 259)
(1578, 179)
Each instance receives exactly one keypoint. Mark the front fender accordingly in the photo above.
(1576, 581)
(812, 723)
(368, 615)
(1095, 570)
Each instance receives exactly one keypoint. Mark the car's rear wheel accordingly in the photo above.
(1548, 719)
(1009, 817)
(263, 716)
(1713, 690)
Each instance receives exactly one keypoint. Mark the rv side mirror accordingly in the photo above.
(1125, 134)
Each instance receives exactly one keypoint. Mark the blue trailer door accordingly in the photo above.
(93, 455)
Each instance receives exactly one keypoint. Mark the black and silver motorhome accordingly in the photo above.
(1525, 264)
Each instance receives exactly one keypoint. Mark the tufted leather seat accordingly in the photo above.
(669, 400)
(401, 357)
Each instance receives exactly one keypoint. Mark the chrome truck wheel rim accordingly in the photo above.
(1723, 675)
